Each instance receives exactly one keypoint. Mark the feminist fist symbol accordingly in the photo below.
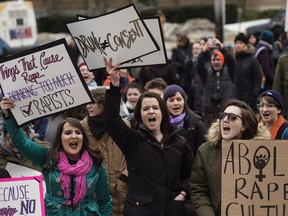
(261, 159)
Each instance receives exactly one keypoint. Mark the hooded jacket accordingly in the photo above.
(205, 180)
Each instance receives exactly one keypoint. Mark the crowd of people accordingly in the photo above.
(151, 144)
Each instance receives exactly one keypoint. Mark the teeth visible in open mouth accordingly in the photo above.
(226, 128)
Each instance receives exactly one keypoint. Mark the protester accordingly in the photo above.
(156, 85)
(270, 105)
(193, 82)
(159, 160)
(248, 74)
(114, 160)
(281, 82)
(218, 87)
(192, 126)
(263, 53)
(88, 76)
(237, 121)
(73, 173)
(180, 56)
(129, 100)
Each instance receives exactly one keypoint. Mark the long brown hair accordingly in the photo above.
(52, 155)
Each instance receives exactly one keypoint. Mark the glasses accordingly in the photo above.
(268, 106)
(231, 116)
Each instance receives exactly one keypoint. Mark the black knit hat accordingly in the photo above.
(241, 37)
(172, 89)
(274, 94)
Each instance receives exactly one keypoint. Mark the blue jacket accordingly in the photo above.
(96, 182)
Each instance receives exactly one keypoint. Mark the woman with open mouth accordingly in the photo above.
(159, 160)
(237, 121)
(73, 172)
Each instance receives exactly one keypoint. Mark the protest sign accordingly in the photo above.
(120, 34)
(42, 81)
(22, 196)
(254, 178)
(155, 58)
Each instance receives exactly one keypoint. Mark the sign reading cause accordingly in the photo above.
(121, 35)
(22, 196)
(254, 178)
(42, 81)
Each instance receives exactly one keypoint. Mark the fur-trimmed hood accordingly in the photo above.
(214, 135)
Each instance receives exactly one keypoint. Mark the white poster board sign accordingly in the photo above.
(286, 17)
(121, 35)
(42, 81)
(155, 58)
(22, 196)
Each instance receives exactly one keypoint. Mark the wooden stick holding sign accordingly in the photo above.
(121, 35)
(42, 81)
(22, 196)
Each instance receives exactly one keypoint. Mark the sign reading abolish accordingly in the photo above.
(22, 196)
(254, 178)
(121, 35)
(42, 81)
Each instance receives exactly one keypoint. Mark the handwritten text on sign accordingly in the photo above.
(121, 35)
(254, 178)
(22, 196)
(42, 82)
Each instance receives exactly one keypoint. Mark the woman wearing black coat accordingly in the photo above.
(159, 161)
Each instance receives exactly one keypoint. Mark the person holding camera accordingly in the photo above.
(218, 87)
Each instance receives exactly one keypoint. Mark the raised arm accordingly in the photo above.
(27, 147)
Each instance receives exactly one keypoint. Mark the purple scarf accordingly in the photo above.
(80, 169)
(178, 120)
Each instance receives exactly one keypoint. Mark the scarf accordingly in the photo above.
(276, 126)
(96, 125)
(178, 120)
(80, 169)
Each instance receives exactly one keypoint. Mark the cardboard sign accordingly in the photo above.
(155, 58)
(22, 196)
(254, 178)
(121, 35)
(42, 81)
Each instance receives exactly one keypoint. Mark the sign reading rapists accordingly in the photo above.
(42, 81)
(22, 196)
(121, 35)
(254, 178)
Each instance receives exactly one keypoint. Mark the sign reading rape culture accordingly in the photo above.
(254, 178)
(121, 35)
(22, 196)
(42, 81)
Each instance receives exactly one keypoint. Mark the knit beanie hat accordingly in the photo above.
(274, 94)
(173, 89)
(241, 37)
(81, 64)
(219, 54)
(267, 36)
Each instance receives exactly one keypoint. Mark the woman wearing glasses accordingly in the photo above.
(270, 106)
(237, 121)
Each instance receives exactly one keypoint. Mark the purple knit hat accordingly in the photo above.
(172, 89)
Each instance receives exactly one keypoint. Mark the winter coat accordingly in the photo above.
(193, 86)
(263, 53)
(193, 130)
(281, 82)
(248, 78)
(205, 180)
(115, 164)
(96, 181)
(217, 90)
(157, 171)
